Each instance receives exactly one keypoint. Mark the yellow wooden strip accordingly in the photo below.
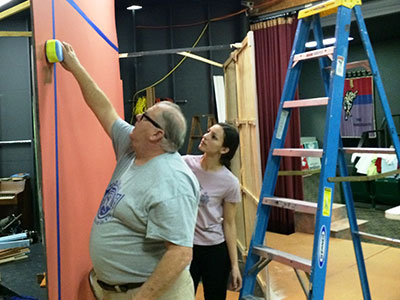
(15, 33)
(15, 9)
(363, 178)
(327, 8)
(298, 172)
(200, 58)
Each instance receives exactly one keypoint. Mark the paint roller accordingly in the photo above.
(54, 52)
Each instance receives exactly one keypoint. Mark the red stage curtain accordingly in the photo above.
(273, 45)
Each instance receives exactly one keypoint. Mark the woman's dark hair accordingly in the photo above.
(231, 141)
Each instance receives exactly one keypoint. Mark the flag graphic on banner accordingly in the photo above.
(358, 107)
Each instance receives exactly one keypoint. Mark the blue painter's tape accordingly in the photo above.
(56, 158)
(97, 29)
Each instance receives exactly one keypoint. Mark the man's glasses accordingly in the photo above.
(145, 116)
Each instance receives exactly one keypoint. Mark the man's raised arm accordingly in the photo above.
(95, 98)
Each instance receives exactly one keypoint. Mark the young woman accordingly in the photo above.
(214, 249)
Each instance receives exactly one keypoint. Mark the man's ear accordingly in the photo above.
(157, 135)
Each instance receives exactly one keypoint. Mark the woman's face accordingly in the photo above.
(213, 140)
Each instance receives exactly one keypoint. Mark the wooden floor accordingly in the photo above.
(342, 282)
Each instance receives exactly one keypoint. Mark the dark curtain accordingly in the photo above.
(273, 45)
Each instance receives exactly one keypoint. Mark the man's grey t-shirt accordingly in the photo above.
(143, 207)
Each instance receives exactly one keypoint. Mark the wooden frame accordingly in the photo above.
(15, 9)
(242, 111)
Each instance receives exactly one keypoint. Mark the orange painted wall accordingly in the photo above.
(85, 156)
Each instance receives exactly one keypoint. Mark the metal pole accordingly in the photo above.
(15, 142)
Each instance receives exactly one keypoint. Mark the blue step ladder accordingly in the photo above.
(333, 61)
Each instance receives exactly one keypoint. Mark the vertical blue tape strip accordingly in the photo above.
(97, 29)
(57, 165)
(74, 5)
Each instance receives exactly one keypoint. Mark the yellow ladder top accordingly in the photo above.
(327, 8)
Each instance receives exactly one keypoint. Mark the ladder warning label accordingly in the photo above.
(322, 246)
(326, 210)
(281, 124)
(340, 66)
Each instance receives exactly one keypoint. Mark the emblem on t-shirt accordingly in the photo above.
(204, 198)
(110, 200)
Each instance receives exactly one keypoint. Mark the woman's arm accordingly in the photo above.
(230, 237)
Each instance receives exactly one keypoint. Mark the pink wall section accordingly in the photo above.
(85, 155)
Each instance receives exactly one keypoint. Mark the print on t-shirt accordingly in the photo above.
(110, 200)
(204, 198)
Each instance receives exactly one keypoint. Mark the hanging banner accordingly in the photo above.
(358, 107)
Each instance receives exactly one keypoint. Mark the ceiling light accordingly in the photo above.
(326, 42)
(134, 7)
(3, 2)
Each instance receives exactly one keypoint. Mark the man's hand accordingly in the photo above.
(171, 265)
(71, 61)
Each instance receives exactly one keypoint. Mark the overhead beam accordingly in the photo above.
(174, 51)
(15, 9)
(270, 6)
(15, 33)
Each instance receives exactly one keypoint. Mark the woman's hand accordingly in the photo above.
(236, 282)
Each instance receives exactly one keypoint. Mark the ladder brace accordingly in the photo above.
(261, 264)
(302, 283)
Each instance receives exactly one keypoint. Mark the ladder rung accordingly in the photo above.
(298, 152)
(284, 258)
(301, 152)
(314, 54)
(358, 64)
(379, 238)
(306, 102)
(251, 297)
(370, 150)
(296, 205)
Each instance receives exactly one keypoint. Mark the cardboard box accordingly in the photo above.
(15, 198)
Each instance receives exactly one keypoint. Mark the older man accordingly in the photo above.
(142, 235)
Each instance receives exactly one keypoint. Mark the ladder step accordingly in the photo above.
(379, 238)
(284, 258)
(301, 152)
(355, 65)
(251, 297)
(326, 8)
(297, 152)
(306, 102)
(314, 54)
(370, 150)
(296, 205)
